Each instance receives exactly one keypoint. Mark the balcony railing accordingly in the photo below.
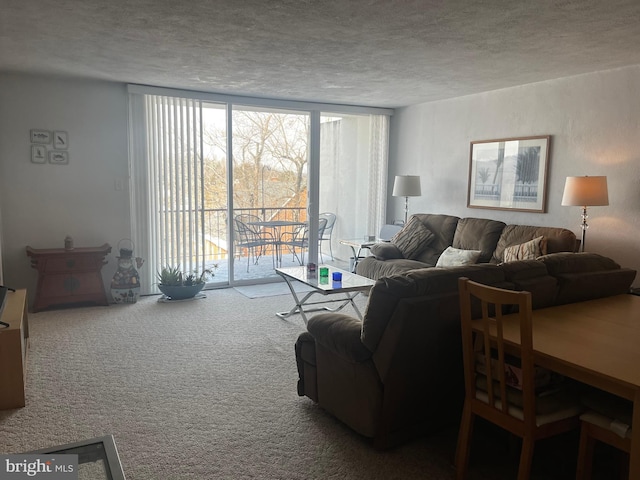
(216, 226)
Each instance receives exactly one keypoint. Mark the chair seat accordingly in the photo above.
(608, 428)
(608, 405)
(564, 406)
(621, 429)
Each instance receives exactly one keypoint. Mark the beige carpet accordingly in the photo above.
(271, 289)
(198, 390)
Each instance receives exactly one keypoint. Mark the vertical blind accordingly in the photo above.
(168, 187)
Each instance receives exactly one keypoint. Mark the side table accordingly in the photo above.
(68, 277)
(98, 457)
(14, 342)
(357, 246)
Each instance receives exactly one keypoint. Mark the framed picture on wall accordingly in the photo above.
(60, 140)
(59, 158)
(509, 174)
(40, 136)
(38, 154)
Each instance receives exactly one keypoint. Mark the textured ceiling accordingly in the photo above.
(379, 53)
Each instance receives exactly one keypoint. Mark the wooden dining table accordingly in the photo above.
(596, 342)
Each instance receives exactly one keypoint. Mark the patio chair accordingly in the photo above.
(326, 235)
(251, 239)
(299, 239)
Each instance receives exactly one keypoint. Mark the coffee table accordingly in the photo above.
(98, 458)
(348, 289)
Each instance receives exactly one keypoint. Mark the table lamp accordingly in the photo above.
(406, 186)
(585, 192)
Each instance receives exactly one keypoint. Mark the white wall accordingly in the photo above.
(594, 121)
(41, 204)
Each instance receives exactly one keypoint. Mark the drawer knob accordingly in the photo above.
(71, 263)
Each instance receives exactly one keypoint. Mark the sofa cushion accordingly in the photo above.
(437, 281)
(478, 234)
(453, 257)
(532, 276)
(413, 238)
(558, 239)
(443, 228)
(388, 291)
(526, 251)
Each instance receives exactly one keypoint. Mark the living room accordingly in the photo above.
(591, 115)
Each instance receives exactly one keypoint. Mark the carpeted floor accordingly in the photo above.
(203, 390)
(271, 289)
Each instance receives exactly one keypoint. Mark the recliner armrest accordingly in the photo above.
(340, 334)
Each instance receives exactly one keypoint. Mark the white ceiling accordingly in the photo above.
(377, 53)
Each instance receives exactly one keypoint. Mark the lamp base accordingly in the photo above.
(584, 227)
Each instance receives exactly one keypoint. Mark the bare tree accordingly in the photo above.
(269, 148)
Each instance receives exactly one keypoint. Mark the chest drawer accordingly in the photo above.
(77, 263)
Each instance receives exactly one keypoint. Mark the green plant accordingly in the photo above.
(173, 276)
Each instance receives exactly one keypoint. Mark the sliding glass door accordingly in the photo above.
(268, 205)
(241, 186)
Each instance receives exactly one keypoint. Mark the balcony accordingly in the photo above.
(216, 249)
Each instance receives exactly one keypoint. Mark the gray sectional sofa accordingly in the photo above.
(490, 237)
(399, 372)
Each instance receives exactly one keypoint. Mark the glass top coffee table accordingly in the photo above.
(348, 288)
(98, 458)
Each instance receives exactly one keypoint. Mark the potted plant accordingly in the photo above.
(177, 285)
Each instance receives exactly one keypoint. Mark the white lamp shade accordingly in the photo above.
(585, 191)
(406, 186)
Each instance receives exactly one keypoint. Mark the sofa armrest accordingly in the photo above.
(385, 251)
(340, 334)
(579, 287)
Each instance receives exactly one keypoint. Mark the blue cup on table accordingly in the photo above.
(337, 276)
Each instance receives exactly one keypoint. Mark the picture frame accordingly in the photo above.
(38, 154)
(40, 136)
(60, 140)
(509, 174)
(58, 158)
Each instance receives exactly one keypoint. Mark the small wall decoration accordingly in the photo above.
(40, 136)
(59, 158)
(38, 154)
(509, 174)
(60, 140)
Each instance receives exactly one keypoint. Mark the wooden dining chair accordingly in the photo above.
(512, 370)
(607, 420)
